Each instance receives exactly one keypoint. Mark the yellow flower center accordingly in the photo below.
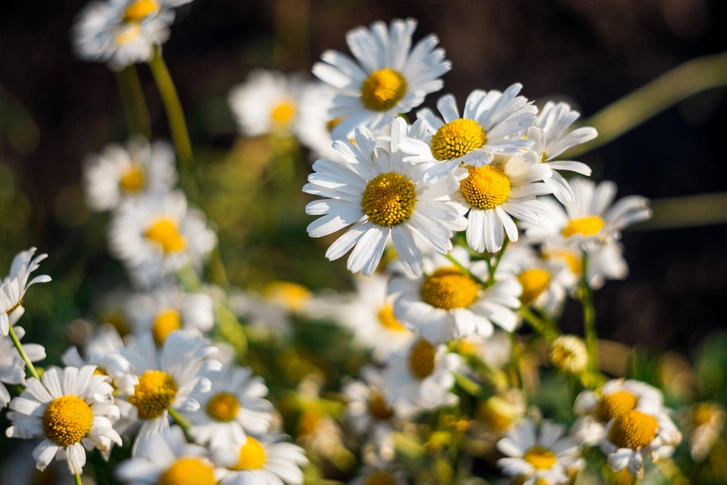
(464, 347)
(704, 412)
(540, 458)
(569, 258)
(585, 226)
(378, 407)
(283, 112)
(568, 353)
(383, 89)
(332, 124)
(154, 394)
(622, 477)
(615, 405)
(291, 295)
(166, 233)
(421, 359)
(139, 10)
(389, 321)
(67, 420)
(133, 180)
(633, 430)
(485, 187)
(522, 478)
(188, 471)
(165, 323)
(389, 199)
(497, 414)
(309, 421)
(223, 407)
(127, 33)
(534, 282)
(457, 138)
(252, 456)
(449, 288)
(380, 477)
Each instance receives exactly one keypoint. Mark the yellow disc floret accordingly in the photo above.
(292, 296)
(389, 199)
(166, 322)
(283, 112)
(223, 407)
(457, 138)
(584, 226)
(540, 458)
(154, 394)
(568, 354)
(378, 408)
(498, 414)
(707, 412)
(534, 282)
(389, 321)
(485, 187)
(614, 405)
(139, 10)
(166, 233)
(380, 477)
(133, 180)
(189, 471)
(383, 89)
(449, 288)
(633, 430)
(421, 359)
(67, 420)
(252, 456)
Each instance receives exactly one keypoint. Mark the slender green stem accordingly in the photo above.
(180, 420)
(21, 351)
(465, 270)
(516, 379)
(493, 267)
(543, 327)
(78, 479)
(132, 97)
(216, 269)
(468, 384)
(589, 317)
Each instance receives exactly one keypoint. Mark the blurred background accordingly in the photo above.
(54, 110)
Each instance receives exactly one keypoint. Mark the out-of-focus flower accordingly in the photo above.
(604, 262)
(568, 354)
(380, 473)
(501, 412)
(260, 312)
(315, 124)
(14, 286)
(703, 423)
(12, 366)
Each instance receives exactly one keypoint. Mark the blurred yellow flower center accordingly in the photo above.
(165, 323)
(522, 478)
(633, 430)
(534, 282)
(139, 10)
(332, 124)
(704, 412)
(465, 347)
(291, 295)
(497, 413)
(570, 259)
(383, 89)
(485, 187)
(584, 226)
(223, 407)
(568, 353)
(378, 407)
(188, 471)
(166, 233)
(457, 138)
(154, 394)
(283, 112)
(614, 405)
(133, 180)
(540, 458)
(389, 199)
(421, 359)
(380, 477)
(389, 321)
(67, 420)
(252, 456)
(449, 288)
(127, 33)
(622, 477)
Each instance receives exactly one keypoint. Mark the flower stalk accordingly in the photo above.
(23, 355)
(589, 317)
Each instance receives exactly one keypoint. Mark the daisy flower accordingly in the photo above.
(14, 286)
(169, 460)
(381, 196)
(568, 353)
(121, 32)
(498, 414)
(164, 379)
(165, 310)
(703, 424)
(234, 406)
(12, 366)
(604, 262)
(267, 103)
(387, 77)
(494, 350)
(591, 219)
(448, 303)
(70, 409)
(490, 125)
(260, 312)
(121, 172)
(266, 460)
(157, 236)
(380, 473)
(315, 124)
(533, 455)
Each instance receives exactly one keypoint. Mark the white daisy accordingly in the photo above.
(315, 124)
(388, 76)
(448, 303)
(703, 423)
(498, 414)
(381, 196)
(261, 461)
(157, 236)
(14, 286)
(267, 103)
(591, 219)
(494, 350)
(604, 262)
(120, 172)
(534, 455)
(168, 309)
(490, 125)
(260, 313)
(71, 409)
(121, 32)
(380, 473)
(12, 366)
(169, 460)
(234, 407)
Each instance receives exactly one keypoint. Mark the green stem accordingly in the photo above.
(516, 379)
(589, 317)
(465, 270)
(23, 355)
(216, 269)
(78, 479)
(132, 97)
(180, 420)
(493, 267)
(469, 385)
(538, 324)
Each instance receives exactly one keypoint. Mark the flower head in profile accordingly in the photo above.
(388, 76)
(703, 423)
(14, 286)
